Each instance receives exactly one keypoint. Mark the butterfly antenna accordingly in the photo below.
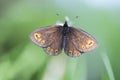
(67, 20)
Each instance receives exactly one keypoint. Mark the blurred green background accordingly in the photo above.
(20, 59)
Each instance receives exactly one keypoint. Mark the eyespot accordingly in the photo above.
(51, 50)
(39, 39)
(48, 48)
(43, 42)
(37, 36)
(76, 52)
(70, 51)
(90, 42)
(56, 50)
(83, 47)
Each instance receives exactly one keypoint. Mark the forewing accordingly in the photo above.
(78, 41)
(50, 38)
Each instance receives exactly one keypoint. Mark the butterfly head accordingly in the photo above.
(66, 28)
(65, 24)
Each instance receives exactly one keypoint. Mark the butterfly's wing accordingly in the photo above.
(49, 38)
(78, 41)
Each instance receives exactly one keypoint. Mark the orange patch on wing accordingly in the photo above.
(42, 42)
(37, 36)
(89, 43)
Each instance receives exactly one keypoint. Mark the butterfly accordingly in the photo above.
(57, 37)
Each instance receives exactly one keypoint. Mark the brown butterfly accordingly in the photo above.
(54, 38)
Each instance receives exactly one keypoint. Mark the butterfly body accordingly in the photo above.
(55, 38)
